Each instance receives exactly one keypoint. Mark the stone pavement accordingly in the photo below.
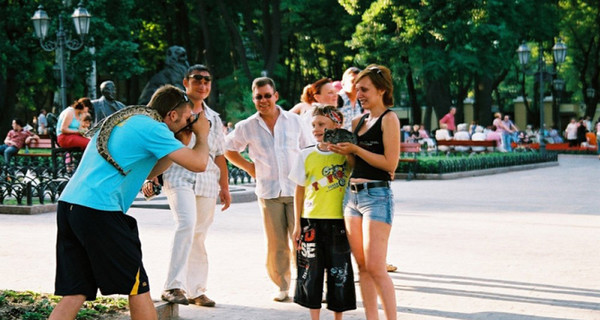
(520, 245)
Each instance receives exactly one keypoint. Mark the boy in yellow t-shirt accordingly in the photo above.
(322, 177)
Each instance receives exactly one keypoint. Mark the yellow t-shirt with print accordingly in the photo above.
(324, 175)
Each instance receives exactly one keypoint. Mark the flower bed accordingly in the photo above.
(465, 162)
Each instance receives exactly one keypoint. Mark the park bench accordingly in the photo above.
(467, 143)
(53, 151)
(42, 143)
(408, 153)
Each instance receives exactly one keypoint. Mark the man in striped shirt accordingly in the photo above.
(193, 198)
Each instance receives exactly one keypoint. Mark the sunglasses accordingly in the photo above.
(376, 70)
(200, 77)
(183, 99)
(259, 97)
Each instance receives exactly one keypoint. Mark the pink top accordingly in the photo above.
(494, 136)
(499, 125)
(17, 138)
(448, 119)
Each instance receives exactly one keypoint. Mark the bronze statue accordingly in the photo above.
(176, 65)
(106, 105)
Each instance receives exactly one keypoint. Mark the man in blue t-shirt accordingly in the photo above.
(98, 246)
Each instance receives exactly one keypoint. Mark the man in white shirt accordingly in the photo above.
(274, 138)
(192, 198)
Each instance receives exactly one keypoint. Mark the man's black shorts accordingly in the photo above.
(97, 250)
(325, 247)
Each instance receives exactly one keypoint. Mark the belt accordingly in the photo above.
(356, 187)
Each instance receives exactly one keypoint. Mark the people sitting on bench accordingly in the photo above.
(16, 139)
(68, 130)
(495, 136)
(478, 136)
(443, 134)
(462, 134)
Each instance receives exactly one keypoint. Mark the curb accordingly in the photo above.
(239, 194)
(166, 310)
(28, 210)
(475, 173)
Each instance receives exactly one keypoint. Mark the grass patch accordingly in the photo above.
(29, 305)
(13, 202)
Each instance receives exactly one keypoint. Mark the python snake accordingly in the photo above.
(106, 126)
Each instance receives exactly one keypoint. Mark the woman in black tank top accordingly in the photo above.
(369, 198)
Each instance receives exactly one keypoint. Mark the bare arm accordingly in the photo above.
(387, 161)
(7, 140)
(240, 162)
(298, 208)
(224, 194)
(163, 164)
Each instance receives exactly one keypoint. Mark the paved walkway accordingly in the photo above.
(520, 245)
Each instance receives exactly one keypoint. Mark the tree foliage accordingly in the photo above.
(440, 51)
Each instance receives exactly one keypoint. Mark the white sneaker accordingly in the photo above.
(281, 296)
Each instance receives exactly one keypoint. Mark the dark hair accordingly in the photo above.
(196, 67)
(20, 122)
(166, 98)
(315, 88)
(88, 117)
(82, 103)
(263, 81)
(381, 77)
(328, 111)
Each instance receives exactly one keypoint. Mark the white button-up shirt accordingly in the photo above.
(272, 154)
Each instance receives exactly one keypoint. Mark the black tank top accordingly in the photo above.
(372, 141)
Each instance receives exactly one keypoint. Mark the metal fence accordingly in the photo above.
(30, 180)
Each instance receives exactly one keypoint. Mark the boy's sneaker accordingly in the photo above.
(202, 300)
(174, 296)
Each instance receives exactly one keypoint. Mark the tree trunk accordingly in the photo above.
(10, 98)
(209, 57)
(483, 99)
(236, 39)
(412, 93)
(438, 97)
(274, 36)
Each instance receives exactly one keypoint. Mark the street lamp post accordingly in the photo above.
(81, 19)
(559, 86)
(524, 53)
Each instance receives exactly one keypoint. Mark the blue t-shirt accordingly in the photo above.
(136, 144)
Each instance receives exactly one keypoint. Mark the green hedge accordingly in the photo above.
(466, 162)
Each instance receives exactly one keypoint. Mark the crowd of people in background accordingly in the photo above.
(578, 133)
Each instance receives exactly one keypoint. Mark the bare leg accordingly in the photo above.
(67, 308)
(375, 242)
(337, 316)
(141, 307)
(315, 314)
(367, 287)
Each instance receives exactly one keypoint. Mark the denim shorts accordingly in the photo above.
(375, 204)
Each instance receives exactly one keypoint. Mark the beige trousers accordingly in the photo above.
(278, 219)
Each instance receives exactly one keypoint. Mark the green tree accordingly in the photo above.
(580, 24)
